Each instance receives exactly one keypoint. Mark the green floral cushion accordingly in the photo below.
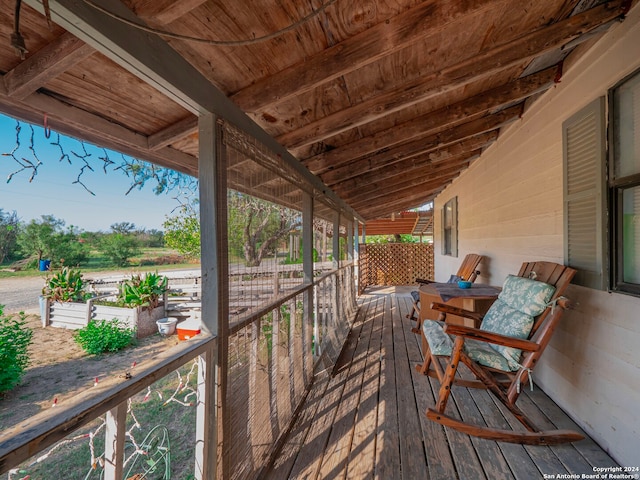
(503, 319)
(439, 342)
(512, 313)
(482, 353)
(525, 295)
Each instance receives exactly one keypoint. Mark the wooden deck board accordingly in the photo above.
(367, 418)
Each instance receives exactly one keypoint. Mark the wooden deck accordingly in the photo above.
(365, 419)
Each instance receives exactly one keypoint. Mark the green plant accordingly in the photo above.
(66, 285)
(119, 248)
(143, 291)
(104, 336)
(15, 338)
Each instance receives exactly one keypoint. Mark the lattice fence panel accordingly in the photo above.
(394, 263)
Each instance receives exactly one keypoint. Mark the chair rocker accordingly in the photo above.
(468, 271)
(501, 353)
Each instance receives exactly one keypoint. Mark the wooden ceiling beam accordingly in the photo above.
(414, 166)
(163, 12)
(157, 63)
(412, 198)
(432, 142)
(47, 63)
(426, 177)
(172, 133)
(444, 78)
(77, 123)
(408, 166)
(431, 122)
(401, 31)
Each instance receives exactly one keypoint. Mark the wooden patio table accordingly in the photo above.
(478, 298)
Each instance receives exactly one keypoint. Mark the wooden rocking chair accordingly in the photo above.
(468, 271)
(502, 352)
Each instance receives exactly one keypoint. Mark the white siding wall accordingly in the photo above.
(510, 209)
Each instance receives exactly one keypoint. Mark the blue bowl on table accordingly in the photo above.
(464, 284)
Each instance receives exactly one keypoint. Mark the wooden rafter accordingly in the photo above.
(163, 12)
(383, 39)
(437, 120)
(78, 123)
(445, 78)
(49, 62)
(411, 166)
(177, 131)
(425, 177)
(416, 147)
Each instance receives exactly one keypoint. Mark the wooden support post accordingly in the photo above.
(215, 299)
(336, 240)
(114, 442)
(309, 327)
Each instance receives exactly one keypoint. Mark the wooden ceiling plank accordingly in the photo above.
(439, 140)
(425, 177)
(480, 65)
(47, 63)
(154, 61)
(163, 12)
(172, 133)
(401, 31)
(406, 167)
(413, 199)
(78, 123)
(413, 177)
(437, 120)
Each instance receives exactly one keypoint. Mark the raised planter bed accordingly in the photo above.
(77, 315)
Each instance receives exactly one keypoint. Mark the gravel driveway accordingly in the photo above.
(21, 293)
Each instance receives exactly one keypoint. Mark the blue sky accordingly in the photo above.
(52, 191)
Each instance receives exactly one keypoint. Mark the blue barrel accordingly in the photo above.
(44, 265)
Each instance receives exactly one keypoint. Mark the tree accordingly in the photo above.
(182, 231)
(46, 238)
(119, 248)
(262, 225)
(9, 227)
(37, 236)
(123, 227)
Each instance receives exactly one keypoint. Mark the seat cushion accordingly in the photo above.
(512, 313)
(441, 344)
(525, 295)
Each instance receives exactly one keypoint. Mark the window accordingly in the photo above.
(602, 192)
(624, 185)
(450, 228)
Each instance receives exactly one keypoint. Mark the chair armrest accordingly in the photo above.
(491, 337)
(424, 281)
(460, 312)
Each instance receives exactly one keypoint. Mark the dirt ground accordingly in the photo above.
(59, 369)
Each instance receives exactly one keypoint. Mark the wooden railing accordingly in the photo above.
(394, 264)
(267, 365)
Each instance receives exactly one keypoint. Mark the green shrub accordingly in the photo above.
(104, 336)
(66, 285)
(14, 342)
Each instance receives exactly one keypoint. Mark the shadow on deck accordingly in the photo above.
(365, 419)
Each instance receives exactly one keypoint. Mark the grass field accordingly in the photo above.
(149, 259)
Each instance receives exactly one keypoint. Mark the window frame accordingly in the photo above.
(616, 187)
(452, 251)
